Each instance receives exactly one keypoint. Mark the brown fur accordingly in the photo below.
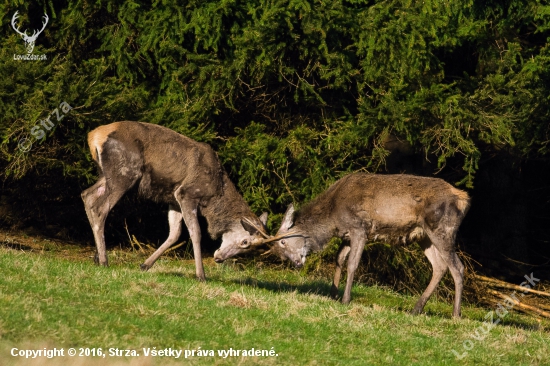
(97, 138)
(169, 168)
(463, 203)
(391, 208)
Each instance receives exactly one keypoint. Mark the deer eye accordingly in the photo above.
(245, 242)
(283, 242)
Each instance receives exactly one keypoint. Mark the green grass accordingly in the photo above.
(57, 298)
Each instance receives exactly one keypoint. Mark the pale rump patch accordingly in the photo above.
(463, 199)
(97, 137)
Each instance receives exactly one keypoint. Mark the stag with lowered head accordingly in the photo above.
(171, 168)
(362, 208)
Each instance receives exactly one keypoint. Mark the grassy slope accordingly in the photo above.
(58, 298)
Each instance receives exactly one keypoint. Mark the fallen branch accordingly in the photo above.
(175, 247)
(133, 240)
(495, 301)
(502, 284)
(544, 306)
(519, 304)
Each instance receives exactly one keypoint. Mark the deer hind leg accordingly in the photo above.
(174, 220)
(357, 244)
(99, 199)
(120, 171)
(340, 260)
(439, 267)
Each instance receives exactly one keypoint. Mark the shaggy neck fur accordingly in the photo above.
(318, 228)
(225, 211)
(315, 219)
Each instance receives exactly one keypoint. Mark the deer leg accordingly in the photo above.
(457, 271)
(120, 170)
(174, 220)
(445, 248)
(99, 199)
(357, 244)
(340, 260)
(439, 267)
(189, 213)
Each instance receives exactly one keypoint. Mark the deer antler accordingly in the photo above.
(43, 24)
(268, 238)
(35, 33)
(15, 27)
(259, 229)
(288, 234)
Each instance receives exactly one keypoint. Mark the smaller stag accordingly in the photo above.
(29, 40)
(171, 168)
(392, 208)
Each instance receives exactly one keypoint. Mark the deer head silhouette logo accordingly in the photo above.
(29, 40)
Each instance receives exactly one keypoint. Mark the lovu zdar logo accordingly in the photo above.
(29, 40)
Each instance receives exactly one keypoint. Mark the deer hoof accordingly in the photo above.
(144, 267)
(98, 262)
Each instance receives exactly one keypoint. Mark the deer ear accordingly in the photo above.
(251, 229)
(263, 218)
(288, 220)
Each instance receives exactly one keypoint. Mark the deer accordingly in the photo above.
(174, 169)
(361, 208)
(29, 40)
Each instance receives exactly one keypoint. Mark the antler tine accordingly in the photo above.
(260, 230)
(46, 23)
(14, 25)
(268, 238)
(282, 236)
(36, 33)
(266, 252)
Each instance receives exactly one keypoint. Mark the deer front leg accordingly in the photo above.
(439, 267)
(174, 220)
(445, 249)
(189, 213)
(340, 260)
(357, 244)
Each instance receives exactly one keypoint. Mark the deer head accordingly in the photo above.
(29, 40)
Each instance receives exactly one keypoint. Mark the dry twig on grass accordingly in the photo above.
(531, 302)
